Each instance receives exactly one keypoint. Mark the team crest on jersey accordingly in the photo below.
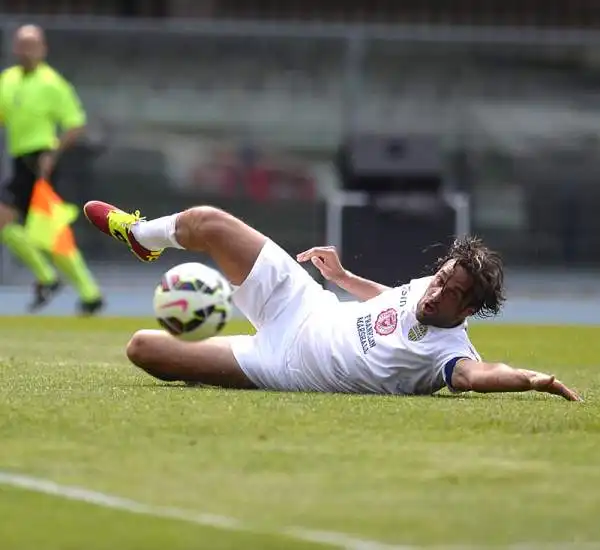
(417, 332)
(386, 322)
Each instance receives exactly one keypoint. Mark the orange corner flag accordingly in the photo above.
(49, 219)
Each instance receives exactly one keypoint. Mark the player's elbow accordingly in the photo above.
(462, 378)
(485, 377)
(470, 375)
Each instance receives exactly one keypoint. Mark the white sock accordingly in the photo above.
(156, 234)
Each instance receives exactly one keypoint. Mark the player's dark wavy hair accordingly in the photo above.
(487, 270)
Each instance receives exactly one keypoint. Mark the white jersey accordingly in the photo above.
(307, 340)
(378, 346)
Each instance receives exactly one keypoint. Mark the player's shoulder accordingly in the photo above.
(421, 281)
(418, 286)
(415, 284)
(409, 292)
(455, 339)
(459, 332)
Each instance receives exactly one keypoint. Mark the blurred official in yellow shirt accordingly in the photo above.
(42, 117)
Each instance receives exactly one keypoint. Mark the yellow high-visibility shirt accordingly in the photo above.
(34, 106)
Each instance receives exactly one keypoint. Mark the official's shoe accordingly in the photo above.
(91, 307)
(43, 294)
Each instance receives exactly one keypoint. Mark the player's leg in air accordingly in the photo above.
(245, 256)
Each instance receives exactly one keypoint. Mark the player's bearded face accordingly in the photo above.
(445, 302)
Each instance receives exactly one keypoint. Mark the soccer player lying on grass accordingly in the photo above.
(408, 340)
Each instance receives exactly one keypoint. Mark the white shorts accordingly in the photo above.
(277, 297)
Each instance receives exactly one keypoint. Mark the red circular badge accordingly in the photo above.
(386, 322)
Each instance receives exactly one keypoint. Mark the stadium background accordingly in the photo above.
(244, 104)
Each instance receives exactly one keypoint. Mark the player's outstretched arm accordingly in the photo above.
(327, 261)
(477, 376)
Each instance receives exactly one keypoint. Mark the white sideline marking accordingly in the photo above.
(81, 494)
(339, 540)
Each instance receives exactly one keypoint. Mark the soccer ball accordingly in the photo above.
(193, 301)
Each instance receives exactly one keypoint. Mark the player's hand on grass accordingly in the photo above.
(547, 383)
(326, 260)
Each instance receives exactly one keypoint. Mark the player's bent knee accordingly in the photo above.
(231, 243)
(204, 221)
(143, 351)
(140, 348)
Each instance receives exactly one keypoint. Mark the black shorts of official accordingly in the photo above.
(16, 190)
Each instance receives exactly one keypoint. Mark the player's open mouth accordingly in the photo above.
(428, 308)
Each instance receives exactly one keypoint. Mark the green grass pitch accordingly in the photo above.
(477, 470)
